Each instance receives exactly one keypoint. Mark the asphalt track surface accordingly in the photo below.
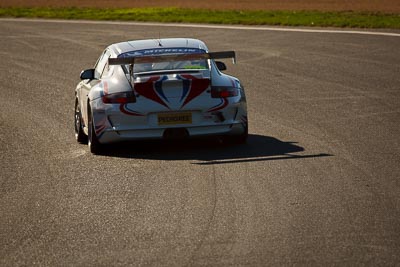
(317, 184)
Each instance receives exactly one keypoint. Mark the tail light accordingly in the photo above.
(119, 98)
(223, 91)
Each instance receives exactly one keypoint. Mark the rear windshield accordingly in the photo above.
(201, 64)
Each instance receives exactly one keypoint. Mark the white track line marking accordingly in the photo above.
(205, 26)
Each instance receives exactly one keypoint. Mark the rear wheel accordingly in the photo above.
(93, 143)
(242, 139)
(237, 139)
(80, 136)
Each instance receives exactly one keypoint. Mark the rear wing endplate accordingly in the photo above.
(178, 57)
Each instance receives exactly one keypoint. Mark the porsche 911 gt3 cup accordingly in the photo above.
(155, 89)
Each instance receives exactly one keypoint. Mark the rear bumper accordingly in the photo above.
(117, 123)
(113, 135)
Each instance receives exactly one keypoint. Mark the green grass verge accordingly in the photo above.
(284, 18)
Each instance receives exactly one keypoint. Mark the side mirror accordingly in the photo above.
(87, 74)
(220, 65)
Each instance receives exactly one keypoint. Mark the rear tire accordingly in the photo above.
(80, 136)
(242, 139)
(238, 139)
(94, 145)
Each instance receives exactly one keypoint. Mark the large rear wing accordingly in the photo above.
(177, 57)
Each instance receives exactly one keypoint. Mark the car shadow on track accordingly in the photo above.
(211, 151)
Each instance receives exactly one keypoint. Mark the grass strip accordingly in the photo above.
(283, 18)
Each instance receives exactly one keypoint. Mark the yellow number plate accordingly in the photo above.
(174, 118)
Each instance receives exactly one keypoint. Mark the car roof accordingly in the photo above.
(134, 45)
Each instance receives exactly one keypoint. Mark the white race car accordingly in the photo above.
(154, 89)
